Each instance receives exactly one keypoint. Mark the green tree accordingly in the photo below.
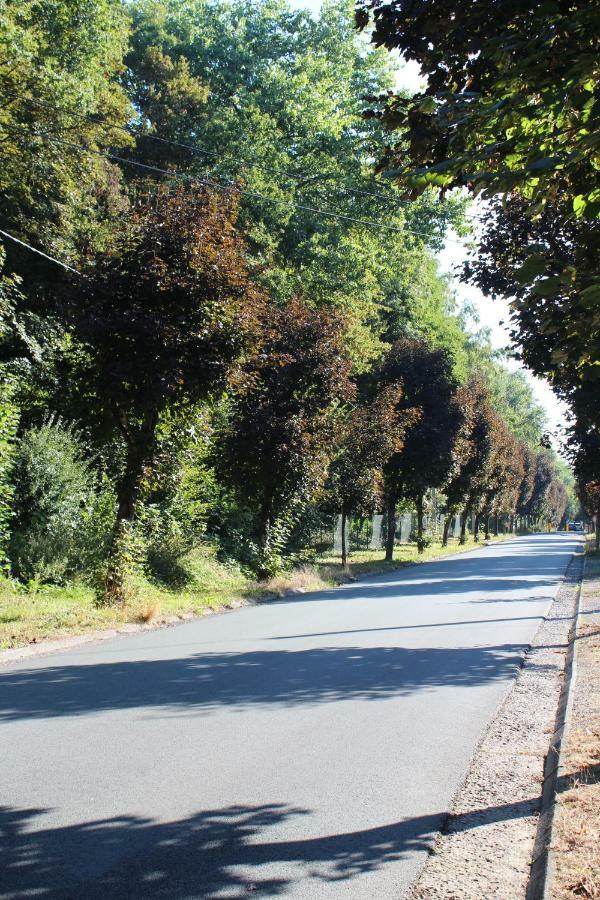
(283, 117)
(426, 459)
(510, 101)
(546, 265)
(584, 453)
(60, 64)
(544, 476)
(527, 482)
(512, 397)
(511, 111)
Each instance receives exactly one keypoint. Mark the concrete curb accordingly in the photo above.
(542, 868)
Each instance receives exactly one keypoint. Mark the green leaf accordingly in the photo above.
(533, 266)
(591, 294)
(543, 163)
(427, 105)
(579, 205)
(548, 286)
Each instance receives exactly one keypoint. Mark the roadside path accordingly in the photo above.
(307, 748)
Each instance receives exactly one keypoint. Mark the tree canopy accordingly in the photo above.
(235, 328)
(510, 111)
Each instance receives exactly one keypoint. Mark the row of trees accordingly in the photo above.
(234, 360)
(510, 110)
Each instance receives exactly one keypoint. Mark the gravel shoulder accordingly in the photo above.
(487, 845)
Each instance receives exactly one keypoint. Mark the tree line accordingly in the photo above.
(235, 333)
(510, 111)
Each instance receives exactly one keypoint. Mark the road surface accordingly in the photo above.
(307, 748)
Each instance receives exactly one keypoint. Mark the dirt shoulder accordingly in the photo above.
(575, 851)
(486, 848)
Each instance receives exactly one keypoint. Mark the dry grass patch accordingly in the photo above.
(298, 581)
(149, 614)
(307, 579)
(577, 822)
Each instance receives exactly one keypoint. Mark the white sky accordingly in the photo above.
(491, 313)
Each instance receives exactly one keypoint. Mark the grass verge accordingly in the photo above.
(47, 611)
(577, 821)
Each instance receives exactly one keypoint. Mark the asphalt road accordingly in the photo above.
(305, 749)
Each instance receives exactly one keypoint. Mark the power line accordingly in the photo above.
(192, 148)
(58, 262)
(209, 183)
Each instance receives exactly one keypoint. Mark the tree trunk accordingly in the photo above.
(344, 551)
(476, 528)
(265, 517)
(140, 451)
(391, 527)
(486, 533)
(447, 524)
(419, 507)
(496, 525)
(463, 526)
(597, 527)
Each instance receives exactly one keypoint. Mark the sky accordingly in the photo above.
(491, 313)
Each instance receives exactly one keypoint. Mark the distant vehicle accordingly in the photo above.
(574, 526)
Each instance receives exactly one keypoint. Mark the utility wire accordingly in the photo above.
(192, 148)
(11, 237)
(213, 184)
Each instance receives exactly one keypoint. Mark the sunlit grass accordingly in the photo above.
(364, 562)
(44, 612)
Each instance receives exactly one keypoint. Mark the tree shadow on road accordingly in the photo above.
(205, 682)
(215, 853)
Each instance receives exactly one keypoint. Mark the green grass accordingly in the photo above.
(28, 615)
(367, 562)
(46, 611)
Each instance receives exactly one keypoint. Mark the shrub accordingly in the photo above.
(165, 542)
(8, 426)
(52, 482)
(93, 537)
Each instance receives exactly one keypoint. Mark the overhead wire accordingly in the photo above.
(199, 150)
(332, 214)
(58, 262)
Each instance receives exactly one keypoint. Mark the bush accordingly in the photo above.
(93, 538)
(52, 483)
(165, 542)
(8, 425)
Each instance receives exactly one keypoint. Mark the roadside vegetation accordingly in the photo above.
(44, 611)
(223, 341)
